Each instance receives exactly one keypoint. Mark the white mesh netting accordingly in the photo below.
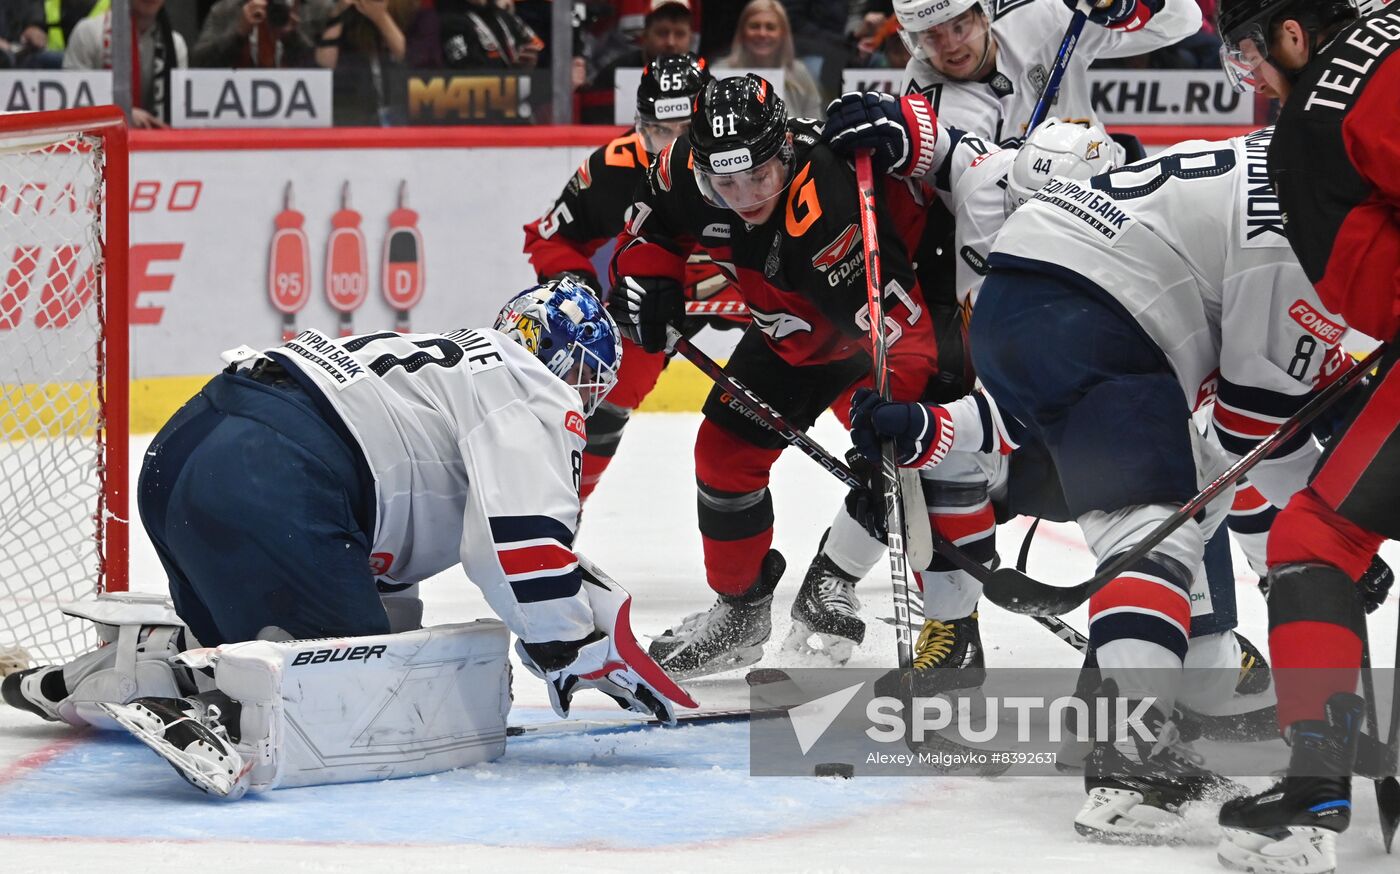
(52, 313)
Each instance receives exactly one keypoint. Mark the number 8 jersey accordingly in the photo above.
(1190, 243)
(475, 448)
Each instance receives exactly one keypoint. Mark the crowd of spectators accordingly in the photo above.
(363, 41)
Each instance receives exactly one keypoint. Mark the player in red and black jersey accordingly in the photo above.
(778, 212)
(591, 211)
(1335, 164)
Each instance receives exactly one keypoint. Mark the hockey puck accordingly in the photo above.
(835, 769)
(766, 676)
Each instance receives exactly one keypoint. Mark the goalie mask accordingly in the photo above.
(665, 97)
(563, 325)
(1058, 148)
(742, 156)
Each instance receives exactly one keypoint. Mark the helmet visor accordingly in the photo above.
(657, 135)
(745, 189)
(1241, 55)
(949, 40)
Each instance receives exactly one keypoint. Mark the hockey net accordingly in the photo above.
(63, 375)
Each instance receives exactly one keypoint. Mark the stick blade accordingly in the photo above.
(1388, 800)
(1012, 590)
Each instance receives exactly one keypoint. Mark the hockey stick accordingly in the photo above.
(1019, 593)
(716, 308)
(561, 727)
(1387, 791)
(889, 466)
(1057, 70)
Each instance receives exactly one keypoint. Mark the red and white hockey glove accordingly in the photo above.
(609, 660)
(901, 133)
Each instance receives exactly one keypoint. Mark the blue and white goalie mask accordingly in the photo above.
(563, 325)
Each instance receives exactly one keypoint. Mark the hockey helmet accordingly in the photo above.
(931, 29)
(563, 325)
(739, 142)
(665, 97)
(1246, 27)
(1058, 148)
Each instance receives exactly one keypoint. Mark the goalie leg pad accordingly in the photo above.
(368, 708)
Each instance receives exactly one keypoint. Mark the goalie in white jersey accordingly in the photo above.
(1171, 284)
(303, 494)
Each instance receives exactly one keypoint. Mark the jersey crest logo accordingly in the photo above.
(380, 562)
(573, 421)
(779, 325)
(1037, 75)
(771, 263)
(838, 250)
(1002, 87)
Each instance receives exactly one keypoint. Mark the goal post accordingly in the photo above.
(64, 375)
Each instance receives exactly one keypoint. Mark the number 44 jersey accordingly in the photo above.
(475, 448)
(1190, 243)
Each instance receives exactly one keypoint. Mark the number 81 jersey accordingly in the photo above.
(1191, 244)
(475, 448)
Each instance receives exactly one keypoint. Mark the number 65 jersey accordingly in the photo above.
(1190, 243)
(475, 448)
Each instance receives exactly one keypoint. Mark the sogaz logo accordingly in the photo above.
(732, 161)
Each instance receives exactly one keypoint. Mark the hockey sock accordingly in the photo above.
(1315, 626)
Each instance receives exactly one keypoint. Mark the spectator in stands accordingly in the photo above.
(261, 33)
(61, 16)
(23, 40)
(363, 40)
(159, 49)
(667, 31)
(820, 37)
(482, 35)
(764, 40)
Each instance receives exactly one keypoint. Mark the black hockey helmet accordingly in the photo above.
(739, 140)
(668, 87)
(1246, 28)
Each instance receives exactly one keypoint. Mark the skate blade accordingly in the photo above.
(833, 648)
(222, 781)
(1118, 816)
(1306, 850)
(739, 658)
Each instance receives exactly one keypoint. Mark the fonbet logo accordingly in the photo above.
(732, 161)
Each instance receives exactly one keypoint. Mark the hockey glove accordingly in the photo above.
(922, 434)
(591, 663)
(643, 306)
(1125, 15)
(866, 503)
(900, 133)
(1374, 585)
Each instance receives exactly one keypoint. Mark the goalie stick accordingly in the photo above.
(1014, 590)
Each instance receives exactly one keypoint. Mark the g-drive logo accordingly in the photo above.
(732, 161)
(1102, 720)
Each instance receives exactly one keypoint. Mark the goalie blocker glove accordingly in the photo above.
(643, 306)
(900, 133)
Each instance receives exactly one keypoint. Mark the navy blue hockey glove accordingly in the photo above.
(866, 503)
(900, 133)
(643, 306)
(1126, 15)
(922, 434)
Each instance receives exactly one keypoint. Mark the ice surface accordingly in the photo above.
(653, 799)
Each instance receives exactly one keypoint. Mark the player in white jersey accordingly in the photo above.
(1171, 284)
(305, 483)
(983, 63)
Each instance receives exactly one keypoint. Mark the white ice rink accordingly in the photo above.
(653, 800)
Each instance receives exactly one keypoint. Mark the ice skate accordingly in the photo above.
(1293, 826)
(729, 635)
(194, 736)
(826, 613)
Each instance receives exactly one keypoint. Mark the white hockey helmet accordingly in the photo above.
(1059, 148)
(918, 18)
